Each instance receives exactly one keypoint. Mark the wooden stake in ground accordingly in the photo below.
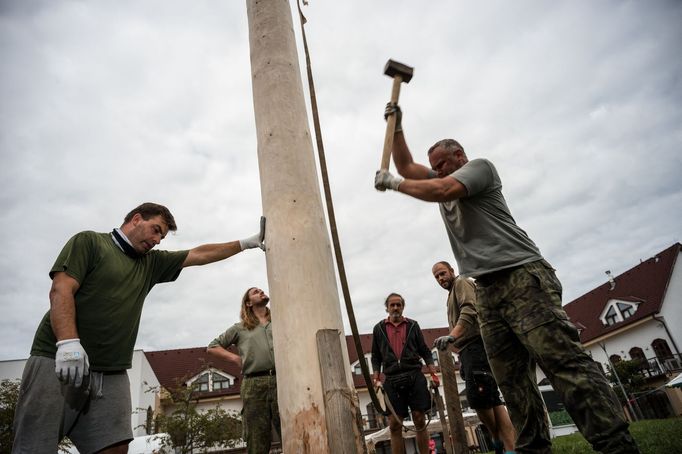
(449, 373)
(301, 278)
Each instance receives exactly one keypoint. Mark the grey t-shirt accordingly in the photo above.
(255, 346)
(482, 231)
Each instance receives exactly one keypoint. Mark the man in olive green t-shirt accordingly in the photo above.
(518, 297)
(253, 338)
(75, 382)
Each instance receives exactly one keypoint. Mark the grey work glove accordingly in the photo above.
(442, 342)
(394, 109)
(384, 180)
(255, 240)
(71, 362)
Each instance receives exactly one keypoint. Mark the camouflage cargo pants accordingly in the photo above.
(260, 412)
(523, 324)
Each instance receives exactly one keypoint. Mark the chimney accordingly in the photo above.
(612, 282)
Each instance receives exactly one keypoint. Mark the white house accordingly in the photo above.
(637, 315)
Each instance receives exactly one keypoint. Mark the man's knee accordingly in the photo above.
(419, 420)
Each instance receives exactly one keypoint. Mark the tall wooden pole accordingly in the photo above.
(301, 277)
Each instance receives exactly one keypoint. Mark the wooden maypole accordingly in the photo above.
(302, 283)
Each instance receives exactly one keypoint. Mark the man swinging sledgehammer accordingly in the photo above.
(518, 297)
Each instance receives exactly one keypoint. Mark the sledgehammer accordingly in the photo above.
(400, 73)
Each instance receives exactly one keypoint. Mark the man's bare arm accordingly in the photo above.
(209, 253)
(223, 353)
(63, 306)
(402, 158)
(434, 189)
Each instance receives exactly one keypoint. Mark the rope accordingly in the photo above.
(332, 223)
(335, 238)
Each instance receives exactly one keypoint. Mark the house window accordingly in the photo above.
(434, 355)
(357, 368)
(211, 380)
(220, 382)
(617, 311)
(615, 359)
(662, 349)
(626, 310)
(637, 355)
(201, 383)
(611, 317)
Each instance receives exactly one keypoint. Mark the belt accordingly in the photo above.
(262, 373)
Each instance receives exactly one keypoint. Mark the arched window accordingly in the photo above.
(661, 349)
(637, 354)
(615, 359)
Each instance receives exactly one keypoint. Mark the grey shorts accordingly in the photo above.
(93, 417)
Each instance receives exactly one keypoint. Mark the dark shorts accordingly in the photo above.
(408, 389)
(481, 388)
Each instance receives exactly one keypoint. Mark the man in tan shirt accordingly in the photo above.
(465, 336)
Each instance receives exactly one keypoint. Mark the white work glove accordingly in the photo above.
(384, 180)
(394, 109)
(442, 342)
(255, 240)
(71, 362)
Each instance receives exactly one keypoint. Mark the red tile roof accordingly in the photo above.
(174, 367)
(645, 283)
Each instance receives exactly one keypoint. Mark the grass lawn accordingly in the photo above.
(653, 436)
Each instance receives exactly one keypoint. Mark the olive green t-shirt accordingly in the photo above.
(255, 346)
(109, 300)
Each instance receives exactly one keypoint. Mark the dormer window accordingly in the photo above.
(626, 310)
(617, 311)
(357, 370)
(211, 380)
(611, 317)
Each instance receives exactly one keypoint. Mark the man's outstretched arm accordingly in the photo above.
(209, 253)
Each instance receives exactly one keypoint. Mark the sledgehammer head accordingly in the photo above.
(393, 68)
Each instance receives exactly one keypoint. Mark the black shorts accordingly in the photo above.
(408, 389)
(482, 392)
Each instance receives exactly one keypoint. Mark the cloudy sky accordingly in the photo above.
(108, 104)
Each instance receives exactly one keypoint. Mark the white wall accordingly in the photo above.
(12, 369)
(672, 305)
(144, 389)
(620, 344)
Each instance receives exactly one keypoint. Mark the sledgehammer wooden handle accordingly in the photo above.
(400, 73)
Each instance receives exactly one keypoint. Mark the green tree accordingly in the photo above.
(191, 430)
(9, 393)
(630, 374)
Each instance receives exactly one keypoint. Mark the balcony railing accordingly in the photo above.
(655, 367)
